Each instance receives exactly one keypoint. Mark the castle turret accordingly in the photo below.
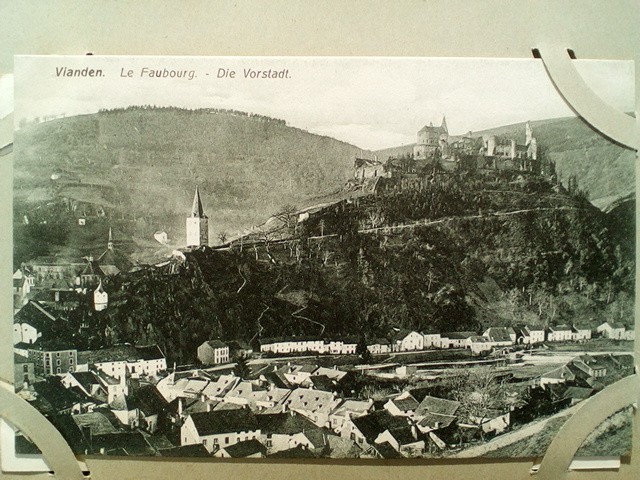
(528, 134)
(100, 298)
(197, 224)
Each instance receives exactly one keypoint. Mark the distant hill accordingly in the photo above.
(603, 168)
(142, 164)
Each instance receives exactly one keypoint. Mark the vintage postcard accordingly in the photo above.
(299, 257)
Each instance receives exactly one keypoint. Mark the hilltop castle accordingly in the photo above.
(435, 150)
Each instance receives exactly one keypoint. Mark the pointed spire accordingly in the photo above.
(444, 124)
(197, 210)
(110, 241)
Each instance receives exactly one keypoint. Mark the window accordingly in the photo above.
(215, 441)
(71, 361)
(57, 354)
(204, 442)
(226, 440)
(58, 362)
(25, 368)
(58, 370)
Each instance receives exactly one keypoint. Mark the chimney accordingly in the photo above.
(180, 406)
(414, 431)
(208, 407)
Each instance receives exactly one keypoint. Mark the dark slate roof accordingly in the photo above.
(55, 394)
(459, 335)
(284, 423)
(322, 382)
(578, 393)
(224, 421)
(437, 405)
(499, 334)
(124, 352)
(277, 379)
(216, 344)
(195, 450)
(375, 423)
(86, 379)
(130, 443)
(246, 448)
(436, 420)
(385, 450)
(35, 315)
(403, 435)
(149, 400)
(297, 452)
(18, 359)
(406, 404)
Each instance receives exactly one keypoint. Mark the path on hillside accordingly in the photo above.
(513, 437)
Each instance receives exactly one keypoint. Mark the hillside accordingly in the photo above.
(602, 167)
(457, 253)
(142, 164)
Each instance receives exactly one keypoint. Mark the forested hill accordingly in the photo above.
(602, 167)
(143, 164)
(446, 254)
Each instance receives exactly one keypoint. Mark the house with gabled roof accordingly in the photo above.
(478, 344)
(245, 449)
(314, 404)
(219, 428)
(406, 341)
(580, 333)
(126, 360)
(458, 339)
(379, 346)
(431, 339)
(405, 440)
(366, 429)
(559, 333)
(591, 365)
(402, 405)
(213, 352)
(347, 410)
(500, 336)
(561, 374)
(283, 431)
(30, 321)
(435, 413)
(613, 330)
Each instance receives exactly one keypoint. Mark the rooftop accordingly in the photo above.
(224, 421)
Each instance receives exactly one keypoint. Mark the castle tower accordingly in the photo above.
(528, 134)
(197, 224)
(100, 298)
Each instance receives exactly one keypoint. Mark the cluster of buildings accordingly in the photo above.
(407, 340)
(466, 152)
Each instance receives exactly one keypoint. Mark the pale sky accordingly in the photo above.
(371, 102)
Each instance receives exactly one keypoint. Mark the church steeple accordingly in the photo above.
(110, 241)
(196, 209)
(197, 224)
(444, 125)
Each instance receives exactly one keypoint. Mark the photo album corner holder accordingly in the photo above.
(306, 408)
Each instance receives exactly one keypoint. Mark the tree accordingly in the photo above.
(241, 369)
(222, 236)
(285, 214)
(363, 351)
(481, 391)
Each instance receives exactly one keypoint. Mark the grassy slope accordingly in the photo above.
(247, 167)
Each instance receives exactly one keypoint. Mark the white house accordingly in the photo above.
(536, 335)
(213, 352)
(406, 340)
(560, 333)
(431, 340)
(580, 333)
(478, 344)
(379, 346)
(126, 359)
(219, 428)
(613, 330)
(316, 405)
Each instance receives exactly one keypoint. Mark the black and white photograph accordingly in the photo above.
(318, 257)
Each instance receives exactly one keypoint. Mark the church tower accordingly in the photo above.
(197, 224)
(110, 241)
(100, 298)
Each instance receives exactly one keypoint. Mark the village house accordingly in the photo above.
(23, 282)
(314, 404)
(613, 330)
(478, 344)
(500, 336)
(494, 421)
(580, 333)
(536, 335)
(283, 431)
(298, 374)
(591, 365)
(558, 375)
(30, 321)
(213, 352)
(219, 429)
(402, 405)
(53, 362)
(406, 341)
(244, 449)
(239, 348)
(379, 346)
(559, 333)
(23, 371)
(368, 430)
(458, 339)
(216, 389)
(430, 340)
(437, 415)
(347, 410)
(126, 359)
